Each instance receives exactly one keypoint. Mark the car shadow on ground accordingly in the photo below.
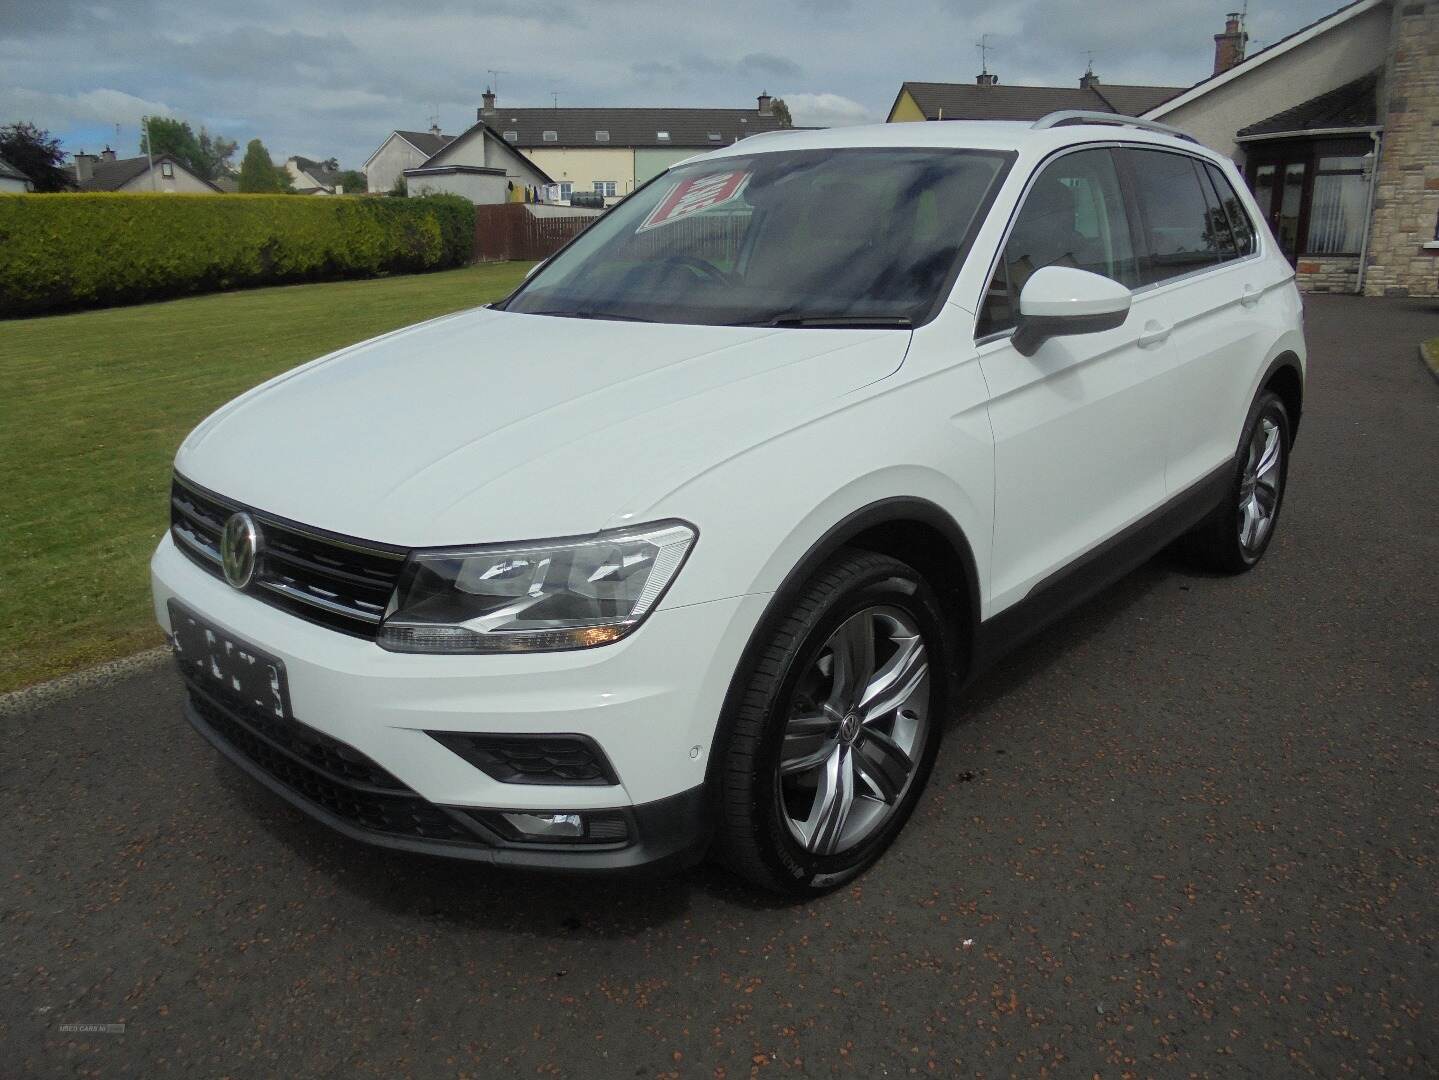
(434, 889)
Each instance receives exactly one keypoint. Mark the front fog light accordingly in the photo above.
(563, 594)
(558, 827)
(547, 826)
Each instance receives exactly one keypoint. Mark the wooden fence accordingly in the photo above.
(510, 231)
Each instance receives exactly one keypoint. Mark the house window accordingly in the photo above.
(512, 136)
(550, 136)
(602, 136)
(715, 136)
(605, 187)
(1337, 205)
(662, 136)
(167, 170)
(566, 190)
(1314, 193)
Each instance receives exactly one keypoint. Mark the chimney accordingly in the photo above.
(1229, 46)
(764, 102)
(1088, 81)
(984, 78)
(84, 167)
(488, 108)
(107, 154)
(435, 129)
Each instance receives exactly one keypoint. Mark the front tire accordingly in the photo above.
(837, 729)
(1237, 534)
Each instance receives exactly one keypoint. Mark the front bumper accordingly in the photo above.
(650, 702)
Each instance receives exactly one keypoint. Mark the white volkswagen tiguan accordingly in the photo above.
(688, 544)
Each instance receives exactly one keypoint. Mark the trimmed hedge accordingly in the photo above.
(72, 251)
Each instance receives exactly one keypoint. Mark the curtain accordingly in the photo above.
(1336, 213)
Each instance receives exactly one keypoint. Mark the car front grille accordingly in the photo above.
(328, 773)
(335, 581)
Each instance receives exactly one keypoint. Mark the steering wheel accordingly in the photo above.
(703, 267)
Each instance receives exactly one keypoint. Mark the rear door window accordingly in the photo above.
(1073, 215)
(1239, 223)
(1179, 237)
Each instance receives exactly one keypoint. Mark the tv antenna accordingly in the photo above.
(495, 74)
(984, 48)
(555, 97)
(1089, 61)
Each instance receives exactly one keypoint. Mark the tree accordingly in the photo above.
(205, 155)
(353, 181)
(781, 112)
(35, 153)
(257, 172)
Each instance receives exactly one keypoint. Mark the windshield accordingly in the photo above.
(858, 237)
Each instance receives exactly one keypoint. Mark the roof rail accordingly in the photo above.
(1083, 116)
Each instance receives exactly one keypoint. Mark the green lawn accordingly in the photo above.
(92, 407)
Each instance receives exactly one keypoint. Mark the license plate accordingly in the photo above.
(226, 667)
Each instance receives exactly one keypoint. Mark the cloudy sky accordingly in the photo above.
(333, 77)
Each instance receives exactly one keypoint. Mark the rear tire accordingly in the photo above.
(836, 731)
(1236, 535)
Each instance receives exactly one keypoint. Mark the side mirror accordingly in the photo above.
(1060, 300)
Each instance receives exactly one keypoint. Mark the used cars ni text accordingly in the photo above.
(688, 544)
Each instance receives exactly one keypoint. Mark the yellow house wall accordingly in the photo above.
(905, 110)
(583, 166)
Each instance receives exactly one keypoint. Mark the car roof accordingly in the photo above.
(1018, 136)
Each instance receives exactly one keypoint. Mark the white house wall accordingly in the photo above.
(1343, 54)
(389, 162)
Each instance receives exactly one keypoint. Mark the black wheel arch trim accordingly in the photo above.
(1286, 360)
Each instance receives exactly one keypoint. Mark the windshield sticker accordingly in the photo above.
(695, 195)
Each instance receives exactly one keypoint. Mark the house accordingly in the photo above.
(986, 99)
(12, 180)
(106, 172)
(478, 164)
(613, 151)
(314, 177)
(401, 150)
(1336, 128)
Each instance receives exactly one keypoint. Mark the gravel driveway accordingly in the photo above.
(1194, 829)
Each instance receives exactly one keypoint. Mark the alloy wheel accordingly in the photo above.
(1259, 486)
(857, 722)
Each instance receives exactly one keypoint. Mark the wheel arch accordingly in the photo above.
(913, 530)
(1285, 377)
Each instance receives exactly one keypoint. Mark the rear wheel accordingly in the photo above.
(838, 727)
(1236, 535)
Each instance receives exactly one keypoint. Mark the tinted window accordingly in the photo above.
(1216, 220)
(1073, 215)
(1179, 233)
(1239, 223)
(789, 237)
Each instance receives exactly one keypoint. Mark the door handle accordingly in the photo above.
(1155, 333)
(1249, 296)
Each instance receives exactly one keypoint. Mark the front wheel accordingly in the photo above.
(1236, 535)
(837, 729)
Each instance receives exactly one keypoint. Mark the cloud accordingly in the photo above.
(103, 106)
(829, 110)
(335, 76)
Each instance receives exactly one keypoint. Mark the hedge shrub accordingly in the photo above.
(71, 251)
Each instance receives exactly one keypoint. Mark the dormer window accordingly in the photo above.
(602, 136)
(715, 136)
(662, 136)
(512, 136)
(550, 136)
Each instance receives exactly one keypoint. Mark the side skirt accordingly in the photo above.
(1097, 568)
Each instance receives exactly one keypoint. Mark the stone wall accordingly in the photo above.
(1328, 273)
(1406, 202)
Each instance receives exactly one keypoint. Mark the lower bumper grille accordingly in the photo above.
(332, 775)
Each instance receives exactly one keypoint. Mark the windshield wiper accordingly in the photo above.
(561, 313)
(854, 322)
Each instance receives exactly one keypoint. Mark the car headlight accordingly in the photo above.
(564, 594)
